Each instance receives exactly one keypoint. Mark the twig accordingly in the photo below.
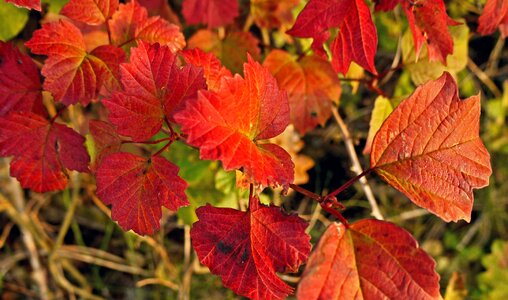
(469, 235)
(289, 278)
(159, 281)
(407, 215)
(356, 167)
(484, 78)
(493, 61)
(69, 216)
(184, 292)
(313, 220)
(396, 63)
(38, 274)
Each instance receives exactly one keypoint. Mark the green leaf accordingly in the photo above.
(208, 182)
(55, 5)
(422, 70)
(13, 20)
(494, 280)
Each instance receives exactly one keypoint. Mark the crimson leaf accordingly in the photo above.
(21, 86)
(215, 13)
(357, 37)
(137, 189)
(495, 14)
(246, 248)
(153, 86)
(42, 151)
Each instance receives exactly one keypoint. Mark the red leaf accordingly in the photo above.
(429, 24)
(30, 4)
(318, 16)
(246, 248)
(370, 260)
(153, 85)
(42, 151)
(130, 23)
(93, 12)
(108, 60)
(495, 14)
(72, 74)
(312, 86)
(215, 13)
(138, 188)
(21, 86)
(212, 67)
(357, 38)
(356, 41)
(212, 123)
(430, 150)
(386, 5)
(106, 141)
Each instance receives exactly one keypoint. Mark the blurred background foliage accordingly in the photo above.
(83, 254)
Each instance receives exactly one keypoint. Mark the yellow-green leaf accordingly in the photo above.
(382, 109)
(13, 20)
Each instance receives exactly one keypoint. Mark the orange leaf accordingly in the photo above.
(312, 86)
(93, 12)
(370, 260)
(232, 123)
(429, 149)
(231, 51)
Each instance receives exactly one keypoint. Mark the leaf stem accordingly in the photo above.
(328, 203)
(348, 183)
(251, 195)
(163, 148)
(148, 142)
(306, 192)
(337, 214)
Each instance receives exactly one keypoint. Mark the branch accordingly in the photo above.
(484, 78)
(39, 273)
(356, 166)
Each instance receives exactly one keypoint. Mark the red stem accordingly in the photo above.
(306, 192)
(163, 148)
(336, 214)
(251, 194)
(148, 142)
(327, 203)
(348, 184)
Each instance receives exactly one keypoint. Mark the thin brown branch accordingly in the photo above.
(356, 166)
(38, 272)
(484, 78)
